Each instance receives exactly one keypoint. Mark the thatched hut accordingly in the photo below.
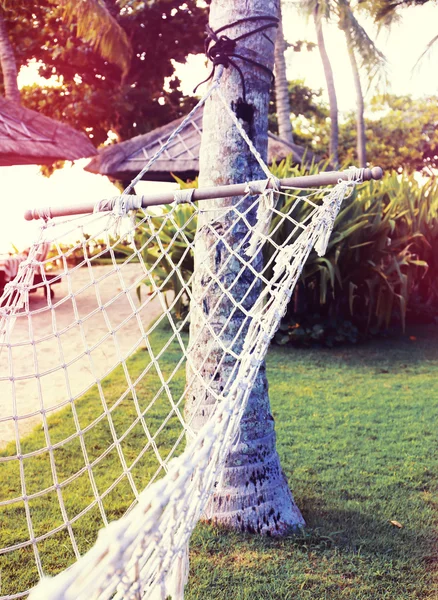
(124, 160)
(29, 138)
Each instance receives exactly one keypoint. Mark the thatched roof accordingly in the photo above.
(125, 159)
(28, 138)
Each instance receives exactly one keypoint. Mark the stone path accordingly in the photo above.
(78, 324)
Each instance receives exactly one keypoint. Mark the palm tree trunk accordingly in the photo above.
(253, 494)
(8, 64)
(360, 122)
(281, 87)
(333, 102)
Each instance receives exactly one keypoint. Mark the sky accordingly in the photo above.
(24, 186)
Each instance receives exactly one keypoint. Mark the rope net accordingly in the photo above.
(95, 429)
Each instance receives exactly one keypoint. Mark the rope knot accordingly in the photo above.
(223, 50)
(219, 53)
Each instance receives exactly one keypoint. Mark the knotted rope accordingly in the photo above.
(220, 49)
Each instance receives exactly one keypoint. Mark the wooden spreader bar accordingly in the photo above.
(209, 193)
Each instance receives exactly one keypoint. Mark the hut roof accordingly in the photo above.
(27, 137)
(126, 159)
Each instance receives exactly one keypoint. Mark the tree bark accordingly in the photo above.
(360, 121)
(8, 64)
(253, 494)
(333, 102)
(281, 87)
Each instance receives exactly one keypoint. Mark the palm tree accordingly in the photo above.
(373, 62)
(358, 43)
(253, 495)
(281, 87)
(387, 13)
(321, 10)
(8, 64)
(94, 24)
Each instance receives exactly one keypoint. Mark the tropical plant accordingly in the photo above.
(380, 257)
(381, 265)
(321, 10)
(163, 247)
(165, 243)
(96, 26)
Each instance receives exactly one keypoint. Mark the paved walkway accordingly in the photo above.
(28, 394)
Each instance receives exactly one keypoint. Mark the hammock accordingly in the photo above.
(126, 412)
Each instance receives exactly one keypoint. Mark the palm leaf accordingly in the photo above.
(426, 51)
(96, 26)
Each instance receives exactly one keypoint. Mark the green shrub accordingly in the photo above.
(380, 268)
(381, 262)
(165, 242)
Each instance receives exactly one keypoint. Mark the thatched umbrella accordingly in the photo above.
(29, 138)
(125, 159)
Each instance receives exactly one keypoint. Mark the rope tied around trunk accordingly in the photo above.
(223, 49)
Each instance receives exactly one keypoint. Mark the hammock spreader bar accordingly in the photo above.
(208, 193)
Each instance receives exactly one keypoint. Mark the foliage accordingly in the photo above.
(380, 268)
(386, 11)
(381, 256)
(303, 101)
(95, 25)
(91, 95)
(165, 241)
(372, 407)
(401, 133)
(99, 250)
(168, 255)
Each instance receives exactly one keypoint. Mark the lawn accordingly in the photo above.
(358, 441)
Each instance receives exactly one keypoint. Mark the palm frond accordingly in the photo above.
(322, 8)
(426, 51)
(372, 59)
(96, 25)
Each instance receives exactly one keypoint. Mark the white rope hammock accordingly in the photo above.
(144, 553)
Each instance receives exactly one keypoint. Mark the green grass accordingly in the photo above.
(358, 442)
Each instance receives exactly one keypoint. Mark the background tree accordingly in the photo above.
(94, 24)
(282, 98)
(372, 62)
(8, 64)
(401, 132)
(306, 105)
(359, 43)
(92, 95)
(387, 13)
(320, 11)
(254, 495)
